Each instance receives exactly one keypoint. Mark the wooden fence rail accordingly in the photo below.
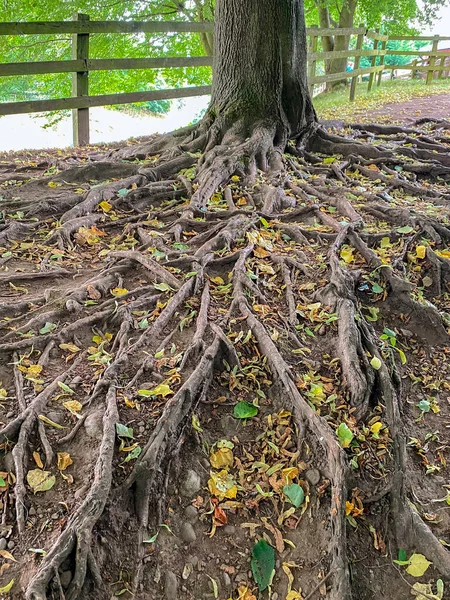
(81, 65)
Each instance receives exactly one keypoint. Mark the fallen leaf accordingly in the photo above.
(7, 555)
(73, 406)
(8, 587)
(48, 421)
(221, 458)
(64, 461)
(160, 390)
(40, 481)
(345, 435)
(118, 291)
(37, 460)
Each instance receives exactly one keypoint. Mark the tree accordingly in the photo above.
(228, 263)
(392, 16)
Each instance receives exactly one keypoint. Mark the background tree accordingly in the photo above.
(391, 16)
(255, 260)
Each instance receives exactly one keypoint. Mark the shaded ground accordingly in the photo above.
(133, 331)
(436, 107)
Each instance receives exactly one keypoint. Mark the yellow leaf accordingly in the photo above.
(218, 280)
(222, 458)
(421, 251)
(105, 206)
(70, 347)
(347, 254)
(289, 473)
(424, 591)
(73, 406)
(117, 292)
(7, 587)
(160, 390)
(40, 481)
(222, 485)
(293, 595)
(48, 421)
(418, 564)
(34, 370)
(375, 429)
(245, 593)
(64, 461)
(37, 460)
(7, 555)
(349, 507)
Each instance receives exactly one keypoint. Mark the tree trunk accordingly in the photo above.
(259, 67)
(337, 42)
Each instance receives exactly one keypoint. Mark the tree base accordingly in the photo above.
(214, 272)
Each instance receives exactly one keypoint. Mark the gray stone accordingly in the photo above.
(190, 484)
(230, 425)
(32, 511)
(274, 596)
(193, 560)
(54, 516)
(76, 380)
(10, 414)
(191, 514)
(56, 417)
(187, 533)
(11, 544)
(171, 586)
(94, 425)
(226, 580)
(313, 476)
(229, 530)
(3, 544)
(65, 578)
(8, 462)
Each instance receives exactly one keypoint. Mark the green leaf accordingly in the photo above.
(133, 454)
(402, 555)
(389, 332)
(402, 356)
(244, 410)
(345, 435)
(295, 494)
(124, 431)
(263, 564)
(48, 327)
(65, 387)
(405, 229)
(2, 482)
(376, 363)
(122, 192)
(424, 406)
(377, 289)
(162, 287)
(160, 390)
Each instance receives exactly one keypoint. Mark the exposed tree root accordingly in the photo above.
(254, 249)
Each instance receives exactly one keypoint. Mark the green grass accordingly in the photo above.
(336, 105)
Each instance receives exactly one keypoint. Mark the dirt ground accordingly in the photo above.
(435, 106)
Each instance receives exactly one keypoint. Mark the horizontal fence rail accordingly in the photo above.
(363, 42)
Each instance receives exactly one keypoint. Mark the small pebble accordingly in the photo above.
(191, 513)
(56, 417)
(8, 462)
(32, 511)
(10, 415)
(171, 586)
(229, 529)
(65, 578)
(11, 544)
(274, 596)
(313, 476)
(3, 544)
(191, 484)
(187, 533)
(54, 516)
(226, 580)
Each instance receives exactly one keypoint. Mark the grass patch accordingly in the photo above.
(336, 105)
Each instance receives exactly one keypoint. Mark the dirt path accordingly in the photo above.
(436, 106)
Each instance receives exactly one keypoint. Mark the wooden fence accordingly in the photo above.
(81, 65)
(429, 62)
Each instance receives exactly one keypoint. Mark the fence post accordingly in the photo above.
(313, 44)
(430, 73)
(359, 45)
(373, 63)
(382, 59)
(80, 85)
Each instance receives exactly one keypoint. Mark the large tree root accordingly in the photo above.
(181, 264)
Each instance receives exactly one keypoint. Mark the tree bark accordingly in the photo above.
(337, 42)
(259, 67)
